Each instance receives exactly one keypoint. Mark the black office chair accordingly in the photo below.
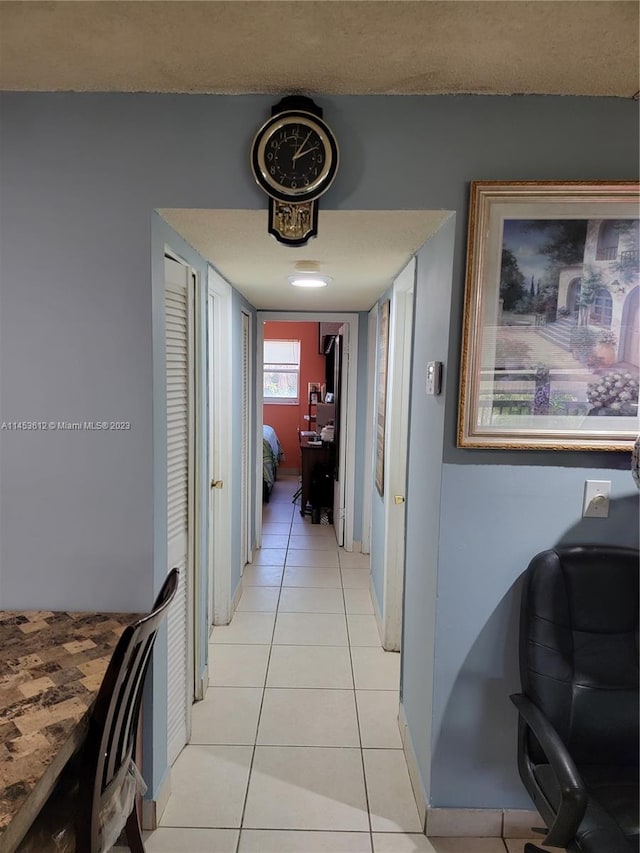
(578, 725)
(96, 794)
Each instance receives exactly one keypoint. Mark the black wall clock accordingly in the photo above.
(294, 157)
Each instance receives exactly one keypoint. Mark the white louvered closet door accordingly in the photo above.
(179, 339)
(246, 379)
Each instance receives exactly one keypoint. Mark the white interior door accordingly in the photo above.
(179, 337)
(395, 463)
(219, 364)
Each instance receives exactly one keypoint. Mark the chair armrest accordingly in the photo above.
(573, 793)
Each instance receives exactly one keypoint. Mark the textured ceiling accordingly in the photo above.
(577, 47)
(361, 250)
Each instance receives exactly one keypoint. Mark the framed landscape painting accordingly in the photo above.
(551, 337)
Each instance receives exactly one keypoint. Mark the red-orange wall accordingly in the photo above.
(286, 419)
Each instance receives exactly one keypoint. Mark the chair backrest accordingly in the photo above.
(579, 649)
(113, 724)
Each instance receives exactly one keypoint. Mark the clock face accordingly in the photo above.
(294, 157)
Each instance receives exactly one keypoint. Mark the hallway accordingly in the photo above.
(296, 746)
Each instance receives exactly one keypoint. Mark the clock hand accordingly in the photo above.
(300, 147)
(302, 153)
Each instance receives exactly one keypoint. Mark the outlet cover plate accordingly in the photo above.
(596, 499)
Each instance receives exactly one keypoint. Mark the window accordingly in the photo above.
(281, 377)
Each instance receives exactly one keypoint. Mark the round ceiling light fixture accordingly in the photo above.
(299, 280)
(307, 274)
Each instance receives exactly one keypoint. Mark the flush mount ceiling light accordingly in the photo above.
(300, 280)
(307, 274)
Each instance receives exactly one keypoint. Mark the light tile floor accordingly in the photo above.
(296, 747)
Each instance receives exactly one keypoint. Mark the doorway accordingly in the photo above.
(345, 485)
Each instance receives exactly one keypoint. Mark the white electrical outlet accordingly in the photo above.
(596, 499)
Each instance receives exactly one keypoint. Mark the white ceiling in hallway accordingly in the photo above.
(362, 251)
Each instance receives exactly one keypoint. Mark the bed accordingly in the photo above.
(272, 454)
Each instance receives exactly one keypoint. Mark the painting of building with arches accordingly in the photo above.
(609, 299)
(552, 326)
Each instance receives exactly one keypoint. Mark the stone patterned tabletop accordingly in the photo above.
(51, 666)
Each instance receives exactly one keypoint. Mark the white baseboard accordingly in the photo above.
(357, 546)
(376, 611)
(204, 681)
(236, 597)
(419, 793)
(519, 823)
(480, 823)
(152, 810)
(461, 823)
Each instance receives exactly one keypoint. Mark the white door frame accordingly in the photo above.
(395, 463)
(246, 553)
(369, 458)
(219, 385)
(339, 488)
(349, 434)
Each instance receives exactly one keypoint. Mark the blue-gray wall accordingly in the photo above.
(81, 175)
(432, 297)
(493, 522)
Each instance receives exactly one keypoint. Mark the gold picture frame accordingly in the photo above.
(551, 337)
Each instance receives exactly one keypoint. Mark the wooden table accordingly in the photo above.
(51, 666)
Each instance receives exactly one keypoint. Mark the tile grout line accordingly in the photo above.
(264, 689)
(355, 702)
(348, 646)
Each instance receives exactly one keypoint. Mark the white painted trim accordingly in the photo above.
(236, 598)
(152, 810)
(481, 823)
(464, 823)
(204, 683)
(419, 793)
(376, 608)
(396, 443)
(519, 823)
(245, 516)
(461, 823)
(259, 410)
(350, 466)
(369, 458)
(220, 432)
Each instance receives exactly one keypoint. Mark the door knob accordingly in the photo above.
(217, 484)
